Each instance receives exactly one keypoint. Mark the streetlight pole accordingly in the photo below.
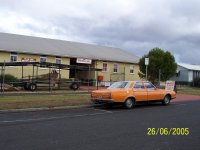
(146, 71)
(146, 63)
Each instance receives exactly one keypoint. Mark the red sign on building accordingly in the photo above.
(28, 60)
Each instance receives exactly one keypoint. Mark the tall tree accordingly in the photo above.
(158, 60)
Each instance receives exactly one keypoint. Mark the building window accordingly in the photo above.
(105, 67)
(115, 70)
(43, 59)
(13, 57)
(58, 60)
(132, 69)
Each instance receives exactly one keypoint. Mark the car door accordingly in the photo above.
(152, 92)
(140, 91)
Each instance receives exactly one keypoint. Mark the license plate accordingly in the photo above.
(99, 98)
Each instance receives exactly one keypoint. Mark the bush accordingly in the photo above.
(8, 78)
(197, 82)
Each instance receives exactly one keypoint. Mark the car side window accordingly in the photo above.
(138, 85)
(149, 86)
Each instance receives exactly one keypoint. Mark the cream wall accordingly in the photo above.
(107, 76)
(28, 70)
(4, 57)
(122, 74)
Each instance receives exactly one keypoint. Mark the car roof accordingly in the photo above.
(134, 81)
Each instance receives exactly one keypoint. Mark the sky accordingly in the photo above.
(136, 26)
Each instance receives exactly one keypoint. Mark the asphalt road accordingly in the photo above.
(103, 129)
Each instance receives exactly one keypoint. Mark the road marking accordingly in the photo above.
(180, 104)
(102, 110)
(52, 118)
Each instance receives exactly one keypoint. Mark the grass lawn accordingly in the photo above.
(188, 90)
(44, 100)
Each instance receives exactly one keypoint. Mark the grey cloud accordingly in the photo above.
(170, 25)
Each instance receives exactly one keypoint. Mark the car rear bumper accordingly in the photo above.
(103, 101)
(173, 97)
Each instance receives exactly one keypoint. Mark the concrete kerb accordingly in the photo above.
(42, 93)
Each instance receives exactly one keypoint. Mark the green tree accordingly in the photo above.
(158, 60)
(8, 78)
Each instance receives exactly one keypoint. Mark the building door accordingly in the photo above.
(72, 72)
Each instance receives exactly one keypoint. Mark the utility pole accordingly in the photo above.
(159, 74)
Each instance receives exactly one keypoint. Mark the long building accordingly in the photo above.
(116, 64)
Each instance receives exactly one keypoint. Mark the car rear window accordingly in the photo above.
(119, 85)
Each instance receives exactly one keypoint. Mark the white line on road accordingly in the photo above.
(51, 118)
(179, 104)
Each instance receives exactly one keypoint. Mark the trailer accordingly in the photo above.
(49, 80)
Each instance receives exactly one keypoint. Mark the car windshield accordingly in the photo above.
(119, 85)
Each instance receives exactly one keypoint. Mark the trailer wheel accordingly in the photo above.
(74, 86)
(32, 86)
(26, 86)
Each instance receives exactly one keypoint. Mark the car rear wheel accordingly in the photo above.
(166, 100)
(129, 103)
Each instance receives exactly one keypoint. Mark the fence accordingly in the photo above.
(34, 82)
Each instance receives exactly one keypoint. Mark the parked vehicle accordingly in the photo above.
(132, 92)
(33, 85)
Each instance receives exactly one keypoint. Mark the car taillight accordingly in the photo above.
(110, 96)
(103, 95)
(107, 95)
(92, 94)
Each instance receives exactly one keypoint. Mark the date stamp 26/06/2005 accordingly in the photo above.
(168, 131)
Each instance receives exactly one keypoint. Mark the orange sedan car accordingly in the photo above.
(132, 92)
